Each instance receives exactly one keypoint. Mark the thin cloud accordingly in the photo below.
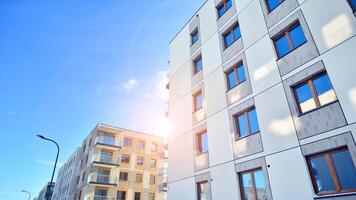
(127, 86)
(48, 163)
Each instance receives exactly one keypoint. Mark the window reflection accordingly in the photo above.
(345, 169)
(253, 185)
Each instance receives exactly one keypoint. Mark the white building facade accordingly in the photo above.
(263, 102)
(66, 184)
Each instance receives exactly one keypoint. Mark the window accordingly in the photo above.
(103, 176)
(141, 145)
(232, 35)
(235, 76)
(289, 40)
(202, 189)
(253, 185)
(108, 139)
(332, 172)
(137, 195)
(123, 176)
(151, 196)
(106, 157)
(153, 147)
(140, 161)
(152, 179)
(121, 195)
(127, 142)
(83, 176)
(87, 158)
(101, 193)
(314, 93)
(125, 158)
(194, 36)
(202, 142)
(198, 64)
(352, 4)
(138, 178)
(198, 101)
(272, 4)
(247, 123)
(153, 162)
(90, 141)
(223, 7)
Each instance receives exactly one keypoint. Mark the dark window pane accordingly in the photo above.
(195, 37)
(272, 4)
(109, 140)
(228, 4)
(242, 125)
(241, 74)
(198, 65)
(260, 184)
(237, 33)
(202, 191)
(204, 142)
(345, 169)
(232, 79)
(353, 4)
(121, 195)
(297, 36)
(221, 10)
(324, 89)
(305, 97)
(322, 174)
(252, 116)
(282, 46)
(247, 186)
(228, 39)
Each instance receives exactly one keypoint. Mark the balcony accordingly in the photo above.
(97, 197)
(105, 160)
(102, 180)
(107, 142)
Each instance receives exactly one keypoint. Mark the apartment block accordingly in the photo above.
(47, 192)
(120, 164)
(263, 102)
(66, 185)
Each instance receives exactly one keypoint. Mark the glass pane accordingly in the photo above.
(272, 4)
(198, 65)
(305, 97)
(297, 36)
(260, 185)
(241, 119)
(353, 4)
(109, 140)
(241, 74)
(345, 169)
(232, 79)
(228, 39)
(237, 33)
(228, 4)
(203, 191)
(221, 10)
(324, 89)
(204, 142)
(195, 37)
(252, 117)
(247, 186)
(322, 174)
(282, 46)
(198, 102)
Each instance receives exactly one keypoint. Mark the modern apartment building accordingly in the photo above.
(263, 102)
(47, 192)
(120, 164)
(66, 186)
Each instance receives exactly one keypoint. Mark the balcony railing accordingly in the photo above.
(102, 179)
(97, 197)
(103, 140)
(105, 159)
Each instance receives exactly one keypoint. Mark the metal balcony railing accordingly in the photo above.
(107, 141)
(103, 179)
(103, 158)
(97, 197)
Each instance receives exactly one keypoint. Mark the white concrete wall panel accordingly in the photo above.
(211, 55)
(242, 4)
(207, 18)
(184, 189)
(181, 117)
(219, 138)
(252, 23)
(181, 159)
(224, 182)
(179, 50)
(262, 65)
(288, 176)
(276, 124)
(340, 63)
(180, 83)
(331, 25)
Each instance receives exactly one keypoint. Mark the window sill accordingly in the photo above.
(251, 134)
(195, 111)
(219, 17)
(226, 47)
(315, 109)
(279, 58)
(202, 153)
(326, 196)
(235, 86)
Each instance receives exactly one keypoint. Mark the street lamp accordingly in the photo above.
(29, 194)
(55, 164)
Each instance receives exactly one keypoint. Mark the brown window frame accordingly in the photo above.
(351, 5)
(126, 138)
(152, 177)
(244, 112)
(327, 156)
(228, 31)
(199, 188)
(234, 69)
(251, 171)
(124, 158)
(269, 9)
(138, 158)
(223, 4)
(309, 81)
(125, 177)
(199, 93)
(285, 32)
(195, 66)
(199, 143)
(138, 175)
(196, 31)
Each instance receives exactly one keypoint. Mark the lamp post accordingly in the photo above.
(27, 192)
(55, 164)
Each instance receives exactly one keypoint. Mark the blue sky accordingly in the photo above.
(67, 65)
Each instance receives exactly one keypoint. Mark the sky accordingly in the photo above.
(67, 65)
